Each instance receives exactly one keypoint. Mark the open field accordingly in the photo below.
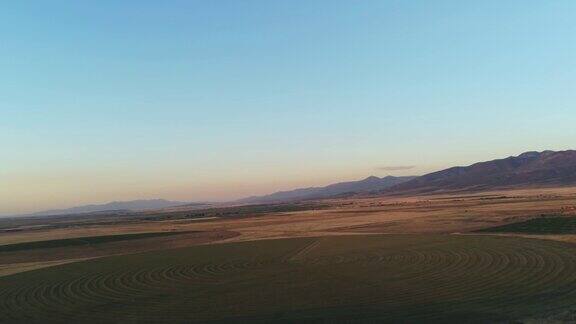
(295, 262)
(392, 278)
(44, 253)
(89, 240)
(437, 214)
(542, 225)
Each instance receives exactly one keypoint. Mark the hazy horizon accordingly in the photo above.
(396, 170)
(214, 101)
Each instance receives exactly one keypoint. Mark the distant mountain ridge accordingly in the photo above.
(370, 184)
(530, 169)
(132, 205)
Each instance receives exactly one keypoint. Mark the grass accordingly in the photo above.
(238, 211)
(391, 278)
(17, 224)
(542, 225)
(90, 240)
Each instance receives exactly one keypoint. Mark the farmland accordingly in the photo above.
(374, 277)
(90, 240)
(541, 225)
(490, 257)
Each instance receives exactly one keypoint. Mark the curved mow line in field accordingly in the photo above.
(520, 269)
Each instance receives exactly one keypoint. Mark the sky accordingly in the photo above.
(215, 100)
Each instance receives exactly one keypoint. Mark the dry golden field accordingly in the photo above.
(431, 214)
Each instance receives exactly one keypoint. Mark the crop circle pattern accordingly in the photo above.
(390, 278)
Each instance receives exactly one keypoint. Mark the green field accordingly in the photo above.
(90, 240)
(385, 278)
(542, 225)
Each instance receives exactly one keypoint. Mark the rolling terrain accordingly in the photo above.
(117, 206)
(530, 169)
(368, 185)
(527, 170)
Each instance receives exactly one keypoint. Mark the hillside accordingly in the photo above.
(113, 206)
(530, 169)
(370, 184)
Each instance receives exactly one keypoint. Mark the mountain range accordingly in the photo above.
(133, 205)
(530, 169)
(369, 185)
(527, 170)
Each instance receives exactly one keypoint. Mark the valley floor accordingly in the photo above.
(467, 230)
(442, 213)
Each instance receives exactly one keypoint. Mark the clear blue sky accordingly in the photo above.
(105, 100)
